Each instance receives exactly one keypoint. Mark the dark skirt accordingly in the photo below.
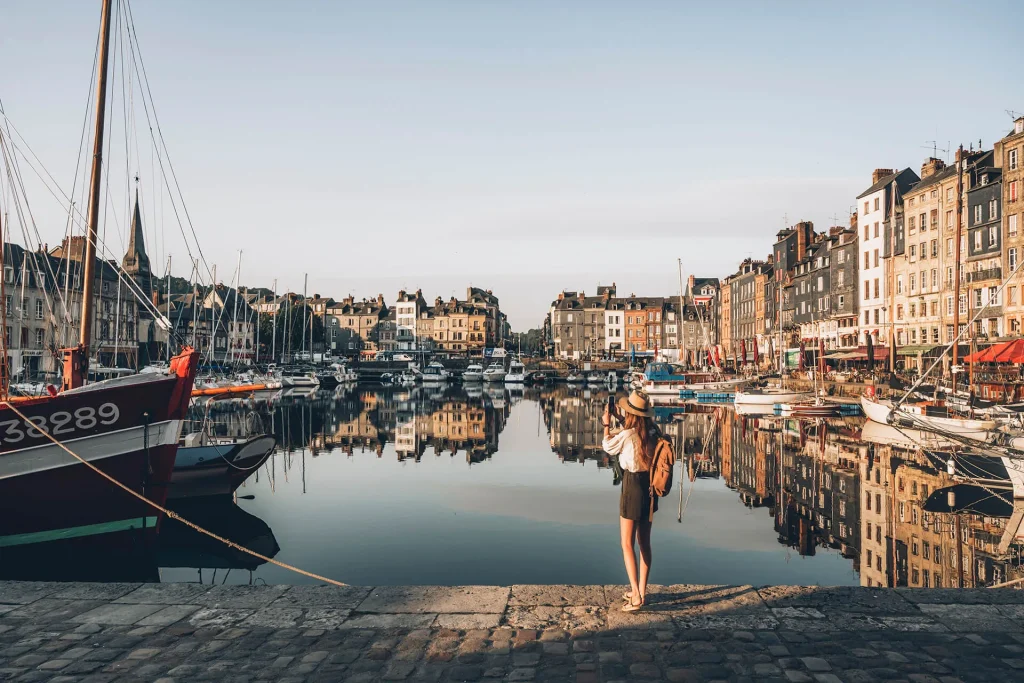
(635, 499)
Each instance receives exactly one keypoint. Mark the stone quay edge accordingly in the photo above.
(104, 632)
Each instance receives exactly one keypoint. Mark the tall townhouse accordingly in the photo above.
(811, 292)
(1009, 154)
(408, 307)
(724, 316)
(790, 247)
(880, 237)
(703, 294)
(984, 258)
(843, 260)
(613, 328)
(919, 273)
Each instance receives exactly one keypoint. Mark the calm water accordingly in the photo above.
(446, 486)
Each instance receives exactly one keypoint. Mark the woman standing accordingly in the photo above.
(634, 445)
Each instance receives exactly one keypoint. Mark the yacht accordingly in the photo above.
(299, 378)
(769, 397)
(434, 374)
(473, 373)
(666, 379)
(495, 372)
(597, 378)
(926, 415)
(516, 372)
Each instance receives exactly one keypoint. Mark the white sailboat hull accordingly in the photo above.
(880, 411)
(768, 397)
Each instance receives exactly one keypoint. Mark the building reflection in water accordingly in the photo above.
(837, 486)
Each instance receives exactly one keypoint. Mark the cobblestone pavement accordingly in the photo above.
(191, 632)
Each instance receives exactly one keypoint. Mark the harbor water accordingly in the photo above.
(486, 485)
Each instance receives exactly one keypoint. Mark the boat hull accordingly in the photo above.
(767, 398)
(217, 469)
(880, 411)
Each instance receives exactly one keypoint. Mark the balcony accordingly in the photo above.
(987, 274)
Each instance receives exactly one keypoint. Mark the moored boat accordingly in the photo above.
(495, 372)
(926, 416)
(769, 397)
(473, 373)
(516, 372)
(666, 379)
(207, 467)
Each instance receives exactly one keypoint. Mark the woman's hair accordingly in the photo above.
(642, 427)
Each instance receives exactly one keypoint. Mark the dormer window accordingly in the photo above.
(984, 178)
(1018, 126)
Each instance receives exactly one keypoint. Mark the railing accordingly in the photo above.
(987, 274)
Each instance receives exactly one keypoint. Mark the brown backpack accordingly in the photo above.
(662, 467)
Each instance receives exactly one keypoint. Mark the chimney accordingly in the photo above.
(437, 301)
(582, 295)
(561, 295)
(931, 167)
(804, 229)
(401, 294)
(853, 221)
(380, 299)
(691, 281)
(880, 173)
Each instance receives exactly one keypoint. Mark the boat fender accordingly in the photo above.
(870, 391)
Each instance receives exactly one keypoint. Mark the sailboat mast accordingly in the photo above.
(305, 287)
(169, 307)
(682, 314)
(89, 257)
(273, 333)
(234, 312)
(956, 268)
(4, 366)
(891, 265)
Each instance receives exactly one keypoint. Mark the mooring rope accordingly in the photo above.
(170, 513)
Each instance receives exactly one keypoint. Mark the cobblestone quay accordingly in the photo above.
(191, 632)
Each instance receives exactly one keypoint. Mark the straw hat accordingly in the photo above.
(638, 404)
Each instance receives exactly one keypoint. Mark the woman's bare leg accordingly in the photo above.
(627, 532)
(643, 537)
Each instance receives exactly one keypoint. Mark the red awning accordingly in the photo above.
(1006, 352)
(880, 353)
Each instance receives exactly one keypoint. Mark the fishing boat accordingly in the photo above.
(127, 426)
(667, 379)
(769, 397)
(928, 415)
(434, 374)
(495, 372)
(516, 372)
(473, 373)
(209, 467)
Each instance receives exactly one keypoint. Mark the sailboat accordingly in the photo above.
(126, 426)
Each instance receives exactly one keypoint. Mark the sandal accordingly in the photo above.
(630, 607)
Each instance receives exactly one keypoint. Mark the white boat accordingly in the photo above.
(495, 372)
(768, 397)
(575, 378)
(434, 374)
(344, 374)
(473, 373)
(407, 378)
(299, 378)
(387, 378)
(612, 379)
(516, 372)
(596, 378)
(916, 415)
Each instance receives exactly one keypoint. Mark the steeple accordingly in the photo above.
(136, 261)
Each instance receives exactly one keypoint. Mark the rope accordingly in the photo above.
(170, 513)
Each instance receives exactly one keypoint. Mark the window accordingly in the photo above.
(993, 209)
(962, 304)
(912, 225)
(867, 294)
(993, 296)
(39, 309)
(1011, 225)
(876, 258)
(1011, 296)
(912, 287)
(993, 234)
(876, 290)
(1013, 191)
(899, 311)
(867, 260)
(949, 219)
(842, 299)
(40, 337)
(913, 252)
(935, 278)
(924, 225)
(935, 219)
(866, 207)
(839, 276)
(977, 240)
(935, 335)
(949, 305)
(934, 305)
(1012, 257)
(924, 280)
(913, 311)
(978, 297)
(977, 213)
(876, 311)
(935, 248)
(876, 205)
(1012, 159)
(876, 228)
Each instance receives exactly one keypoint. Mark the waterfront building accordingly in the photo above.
(744, 285)
(671, 330)
(614, 328)
(984, 256)
(725, 317)
(643, 324)
(880, 238)
(790, 248)
(493, 334)
(919, 273)
(408, 308)
(354, 324)
(843, 262)
(812, 295)
(425, 329)
(578, 324)
(1009, 156)
(387, 332)
(703, 294)
(227, 305)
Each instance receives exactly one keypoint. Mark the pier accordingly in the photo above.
(81, 632)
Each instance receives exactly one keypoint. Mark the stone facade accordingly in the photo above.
(1009, 156)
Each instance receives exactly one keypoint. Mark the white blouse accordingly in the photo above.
(623, 445)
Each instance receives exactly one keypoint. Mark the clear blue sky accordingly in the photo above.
(526, 147)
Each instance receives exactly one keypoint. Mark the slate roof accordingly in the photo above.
(904, 180)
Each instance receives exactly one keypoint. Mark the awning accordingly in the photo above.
(914, 349)
(1006, 352)
(846, 355)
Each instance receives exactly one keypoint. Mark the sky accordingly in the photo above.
(524, 147)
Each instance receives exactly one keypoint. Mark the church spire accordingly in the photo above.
(136, 261)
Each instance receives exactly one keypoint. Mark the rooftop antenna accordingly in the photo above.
(935, 148)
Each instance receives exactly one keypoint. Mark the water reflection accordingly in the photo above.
(461, 485)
